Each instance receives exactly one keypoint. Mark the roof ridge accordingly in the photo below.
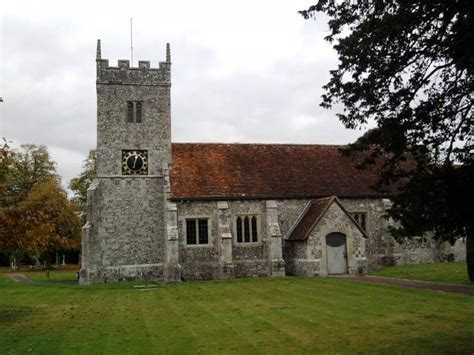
(277, 144)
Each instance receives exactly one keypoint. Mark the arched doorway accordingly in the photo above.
(336, 253)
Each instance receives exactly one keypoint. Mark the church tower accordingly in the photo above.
(125, 236)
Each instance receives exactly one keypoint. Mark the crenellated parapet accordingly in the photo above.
(123, 73)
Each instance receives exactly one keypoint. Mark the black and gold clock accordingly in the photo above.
(134, 162)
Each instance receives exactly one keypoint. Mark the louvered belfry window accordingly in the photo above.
(134, 111)
(138, 112)
(130, 111)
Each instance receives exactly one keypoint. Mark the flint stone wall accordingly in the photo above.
(289, 210)
(115, 134)
(250, 259)
(310, 254)
(297, 261)
(202, 262)
(379, 241)
(125, 231)
(380, 248)
(198, 262)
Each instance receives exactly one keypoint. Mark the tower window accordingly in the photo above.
(134, 111)
(138, 112)
(129, 111)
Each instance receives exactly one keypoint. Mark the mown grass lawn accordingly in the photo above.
(284, 315)
(454, 273)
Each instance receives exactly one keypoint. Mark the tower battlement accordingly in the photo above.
(123, 73)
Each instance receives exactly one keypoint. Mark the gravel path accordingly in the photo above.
(20, 278)
(426, 285)
(23, 279)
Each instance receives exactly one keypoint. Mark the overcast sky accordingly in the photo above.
(243, 71)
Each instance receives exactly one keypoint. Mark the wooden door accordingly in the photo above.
(336, 253)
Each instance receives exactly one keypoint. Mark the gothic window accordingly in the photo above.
(361, 219)
(197, 231)
(239, 229)
(129, 111)
(254, 229)
(246, 229)
(134, 111)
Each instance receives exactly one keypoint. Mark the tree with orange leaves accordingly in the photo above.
(36, 216)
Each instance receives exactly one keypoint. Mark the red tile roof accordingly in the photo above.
(312, 214)
(251, 171)
(308, 218)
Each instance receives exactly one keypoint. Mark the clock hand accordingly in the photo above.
(135, 162)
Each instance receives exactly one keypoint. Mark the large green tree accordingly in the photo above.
(407, 67)
(27, 166)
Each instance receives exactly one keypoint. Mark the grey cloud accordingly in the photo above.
(48, 82)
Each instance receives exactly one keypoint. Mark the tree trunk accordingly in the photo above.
(470, 254)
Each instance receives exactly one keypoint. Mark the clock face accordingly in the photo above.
(134, 162)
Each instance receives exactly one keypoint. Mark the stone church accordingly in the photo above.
(173, 212)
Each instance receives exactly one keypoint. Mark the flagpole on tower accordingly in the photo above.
(131, 41)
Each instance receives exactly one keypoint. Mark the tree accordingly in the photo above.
(36, 217)
(42, 223)
(81, 183)
(29, 165)
(5, 164)
(6, 161)
(407, 67)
